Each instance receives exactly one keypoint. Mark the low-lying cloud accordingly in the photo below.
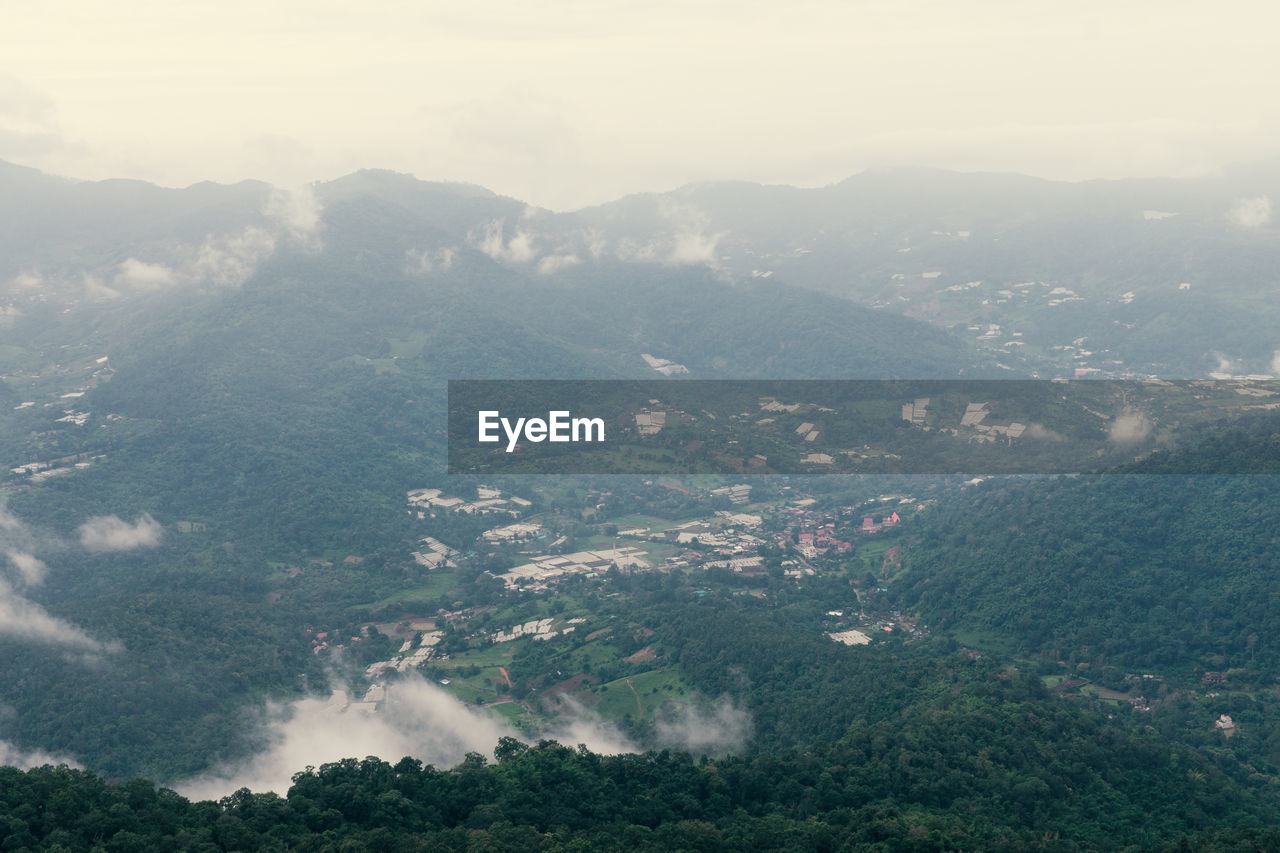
(110, 533)
(420, 720)
(229, 261)
(694, 247)
(1129, 427)
(718, 730)
(95, 290)
(23, 619)
(18, 544)
(683, 238)
(1251, 212)
(690, 241)
(31, 569)
(139, 275)
(1042, 433)
(26, 282)
(1224, 364)
(517, 250)
(9, 522)
(554, 263)
(424, 261)
(12, 756)
(423, 721)
(298, 212)
(221, 260)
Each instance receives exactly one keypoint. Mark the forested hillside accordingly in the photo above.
(1150, 590)
(974, 756)
(1121, 571)
(224, 498)
(280, 422)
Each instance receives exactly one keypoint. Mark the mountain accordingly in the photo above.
(1139, 588)
(226, 526)
(262, 377)
(1107, 261)
(1131, 277)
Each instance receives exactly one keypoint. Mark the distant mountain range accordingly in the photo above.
(1118, 278)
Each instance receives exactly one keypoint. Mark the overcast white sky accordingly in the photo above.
(565, 103)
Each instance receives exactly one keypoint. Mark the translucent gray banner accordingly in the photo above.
(880, 427)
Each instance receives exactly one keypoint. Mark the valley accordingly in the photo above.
(235, 545)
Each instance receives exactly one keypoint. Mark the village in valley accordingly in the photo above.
(785, 538)
(512, 593)
(543, 561)
(553, 630)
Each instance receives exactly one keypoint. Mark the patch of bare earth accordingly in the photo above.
(643, 656)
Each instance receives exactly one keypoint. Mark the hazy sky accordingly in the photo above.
(565, 103)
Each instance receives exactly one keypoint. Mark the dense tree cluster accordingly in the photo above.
(978, 758)
(1175, 572)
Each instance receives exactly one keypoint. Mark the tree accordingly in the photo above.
(508, 748)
